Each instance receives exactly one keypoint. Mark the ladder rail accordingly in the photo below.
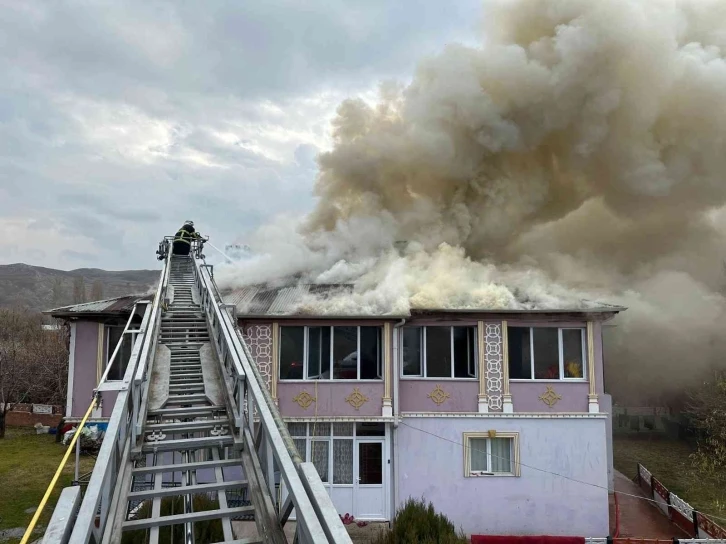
(315, 512)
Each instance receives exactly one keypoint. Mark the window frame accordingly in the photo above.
(516, 465)
(561, 353)
(423, 374)
(306, 355)
(110, 349)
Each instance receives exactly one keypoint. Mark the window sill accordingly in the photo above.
(564, 380)
(282, 380)
(492, 475)
(440, 379)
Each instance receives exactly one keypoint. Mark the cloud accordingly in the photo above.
(119, 121)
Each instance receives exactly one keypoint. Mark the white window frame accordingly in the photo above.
(306, 354)
(422, 350)
(516, 466)
(561, 351)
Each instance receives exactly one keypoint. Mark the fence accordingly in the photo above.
(679, 511)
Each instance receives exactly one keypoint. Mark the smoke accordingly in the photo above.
(578, 153)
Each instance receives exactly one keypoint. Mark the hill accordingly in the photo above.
(41, 288)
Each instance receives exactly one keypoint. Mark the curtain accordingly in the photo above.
(319, 453)
(501, 455)
(478, 454)
(342, 461)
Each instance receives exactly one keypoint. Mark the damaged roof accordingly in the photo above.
(284, 301)
(111, 306)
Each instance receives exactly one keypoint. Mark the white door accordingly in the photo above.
(369, 488)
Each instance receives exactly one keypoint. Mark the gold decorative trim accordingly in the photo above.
(356, 399)
(438, 395)
(505, 357)
(591, 358)
(549, 397)
(304, 399)
(482, 368)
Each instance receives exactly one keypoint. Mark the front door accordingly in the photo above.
(370, 499)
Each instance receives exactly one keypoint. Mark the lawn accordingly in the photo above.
(669, 461)
(27, 464)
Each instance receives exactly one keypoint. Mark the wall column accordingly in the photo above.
(387, 376)
(98, 412)
(593, 406)
(483, 401)
(507, 406)
(275, 360)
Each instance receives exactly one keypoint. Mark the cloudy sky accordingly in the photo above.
(119, 120)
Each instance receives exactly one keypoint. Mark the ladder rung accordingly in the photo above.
(187, 466)
(186, 490)
(192, 517)
(187, 443)
(181, 426)
(187, 411)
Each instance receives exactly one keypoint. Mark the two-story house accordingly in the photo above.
(498, 417)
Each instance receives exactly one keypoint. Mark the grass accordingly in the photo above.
(669, 462)
(27, 464)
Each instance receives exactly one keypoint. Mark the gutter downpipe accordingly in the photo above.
(396, 370)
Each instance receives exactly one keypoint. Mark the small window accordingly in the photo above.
(491, 455)
(371, 353)
(318, 353)
(546, 353)
(292, 352)
(439, 352)
(121, 361)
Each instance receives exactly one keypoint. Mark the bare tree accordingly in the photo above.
(33, 361)
(97, 290)
(79, 290)
(707, 411)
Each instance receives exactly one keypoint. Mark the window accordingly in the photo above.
(439, 352)
(324, 353)
(491, 454)
(546, 353)
(121, 362)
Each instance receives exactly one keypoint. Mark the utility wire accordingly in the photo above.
(711, 516)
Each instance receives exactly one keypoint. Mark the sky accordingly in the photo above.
(118, 121)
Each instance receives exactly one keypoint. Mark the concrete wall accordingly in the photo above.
(431, 458)
(526, 396)
(459, 395)
(85, 361)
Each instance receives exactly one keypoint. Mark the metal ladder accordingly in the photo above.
(195, 436)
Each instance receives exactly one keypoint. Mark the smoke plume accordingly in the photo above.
(576, 154)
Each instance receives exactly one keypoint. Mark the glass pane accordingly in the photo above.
(292, 347)
(412, 351)
(501, 454)
(300, 445)
(319, 429)
(370, 463)
(464, 351)
(345, 353)
(478, 454)
(318, 353)
(572, 353)
(297, 429)
(520, 365)
(342, 461)
(370, 352)
(546, 354)
(121, 362)
(438, 352)
(370, 429)
(343, 429)
(319, 453)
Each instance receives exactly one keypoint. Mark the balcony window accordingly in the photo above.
(439, 352)
(546, 353)
(325, 353)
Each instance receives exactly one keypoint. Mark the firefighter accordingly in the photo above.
(184, 237)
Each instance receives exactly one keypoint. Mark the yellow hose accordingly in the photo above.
(48, 491)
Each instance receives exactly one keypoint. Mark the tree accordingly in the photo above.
(79, 290)
(33, 361)
(58, 293)
(97, 290)
(707, 412)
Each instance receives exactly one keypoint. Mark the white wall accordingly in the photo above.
(432, 466)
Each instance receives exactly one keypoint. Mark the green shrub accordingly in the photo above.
(204, 531)
(418, 523)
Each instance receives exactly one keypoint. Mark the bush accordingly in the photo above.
(204, 531)
(418, 523)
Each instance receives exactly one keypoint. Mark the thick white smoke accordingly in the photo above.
(578, 153)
